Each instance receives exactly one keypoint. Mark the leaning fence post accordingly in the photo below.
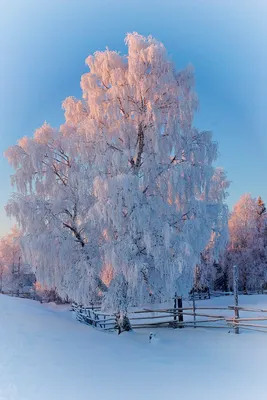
(235, 284)
(180, 312)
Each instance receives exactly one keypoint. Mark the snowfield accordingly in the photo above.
(46, 354)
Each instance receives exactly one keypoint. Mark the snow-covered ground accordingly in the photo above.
(45, 354)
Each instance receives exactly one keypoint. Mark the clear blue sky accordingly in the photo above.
(43, 45)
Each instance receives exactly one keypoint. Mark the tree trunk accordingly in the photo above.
(123, 323)
(1, 281)
(245, 289)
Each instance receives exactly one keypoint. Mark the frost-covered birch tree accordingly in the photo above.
(155, 169)
(125, 188)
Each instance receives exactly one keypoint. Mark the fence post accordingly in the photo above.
(175, 310)
(235, 284)
(194, 307)
(117, 322)
(180, 312)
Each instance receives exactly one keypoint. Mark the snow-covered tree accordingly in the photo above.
(209, 269)
(155, 168)
(54, 196)
(247, 248)
(126, 182)
(13, 269)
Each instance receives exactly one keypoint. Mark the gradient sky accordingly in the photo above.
(44, 43)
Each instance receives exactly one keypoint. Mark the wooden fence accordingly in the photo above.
(200, 317)
(23, 295)
(94, 317)
(199, 295)
(179, 317)
(182, 317)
